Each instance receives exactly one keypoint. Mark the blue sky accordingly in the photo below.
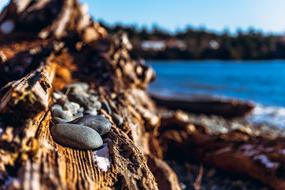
(265, 15)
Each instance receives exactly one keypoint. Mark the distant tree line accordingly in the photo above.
(202, 44)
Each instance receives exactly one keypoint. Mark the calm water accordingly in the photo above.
(262, 82)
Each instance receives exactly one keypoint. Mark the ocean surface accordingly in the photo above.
(261, 82)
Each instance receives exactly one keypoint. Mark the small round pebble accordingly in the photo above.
(91, 112)
(76, 136)
(80, 98)
(81, 86)
(96, 122)
(56, 107)
(78, 115)
(57, 111)
(72, 107)
(93, 103)
(58, 95)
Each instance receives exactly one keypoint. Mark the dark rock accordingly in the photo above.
(98, 123)
(76, 136)
(91, 112)
(86, 101)
(117, 119)
(106, 106)
(79, 97)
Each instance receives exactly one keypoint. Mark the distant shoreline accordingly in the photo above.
(199, 44)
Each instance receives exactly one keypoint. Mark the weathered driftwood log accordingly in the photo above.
(46, 45)
(207, 106)
(237, 151)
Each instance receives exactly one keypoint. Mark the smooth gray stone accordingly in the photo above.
(81, 86)
(59, 120)
(93, 92)
(93, 98)
(57, 111)
(93, 105)
(72, 107)
(80, 98)
(56, 106)
(87, 101)
(78, 115)
(96, 122)
(76, 136)
(117, 119)
(94, 102)
(91, 112)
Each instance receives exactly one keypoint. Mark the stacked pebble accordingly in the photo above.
(77, 124)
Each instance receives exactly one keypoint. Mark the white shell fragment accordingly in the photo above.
(102, 157)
